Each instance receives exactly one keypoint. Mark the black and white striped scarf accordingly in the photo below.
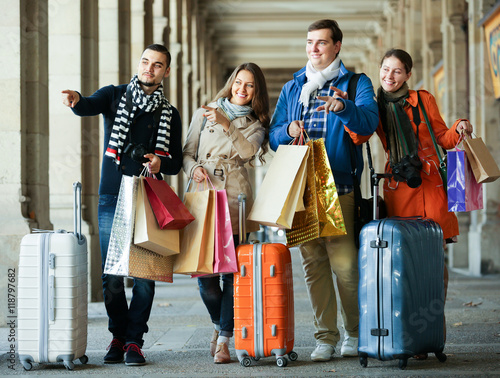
(124, 116)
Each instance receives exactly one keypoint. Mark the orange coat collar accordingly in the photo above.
(412, 98)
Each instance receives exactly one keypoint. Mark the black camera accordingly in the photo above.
(136, 152)
(408, 169)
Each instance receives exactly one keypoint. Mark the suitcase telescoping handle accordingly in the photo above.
(242, 199)
(77, 207)
(376, 177)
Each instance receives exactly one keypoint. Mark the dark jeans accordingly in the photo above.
(219, 301)
(126, 323)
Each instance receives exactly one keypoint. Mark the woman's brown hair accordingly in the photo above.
(260, 100)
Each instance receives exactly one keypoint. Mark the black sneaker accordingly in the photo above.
(134, 355)
(115, 352)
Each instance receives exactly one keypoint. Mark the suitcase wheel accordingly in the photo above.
(363, 361)
(84, 359)
(441, 356)
(246, 362)
(27, 365)
(293, 356)
(402, 363)
(281, 361)
(69, 365)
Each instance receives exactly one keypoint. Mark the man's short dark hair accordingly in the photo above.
(327, 24)
(161, 49)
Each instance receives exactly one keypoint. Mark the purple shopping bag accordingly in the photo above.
(464, 193)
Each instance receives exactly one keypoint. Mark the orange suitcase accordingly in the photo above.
(263, 301)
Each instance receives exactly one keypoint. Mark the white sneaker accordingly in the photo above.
(323, 352)
(349, 347)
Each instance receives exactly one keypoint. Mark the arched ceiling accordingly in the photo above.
(272, 33)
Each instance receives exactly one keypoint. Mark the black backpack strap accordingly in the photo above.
(351, 94)
(352, 86)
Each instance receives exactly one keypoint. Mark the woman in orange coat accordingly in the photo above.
(416, 190)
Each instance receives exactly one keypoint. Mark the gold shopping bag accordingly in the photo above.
(322, 215)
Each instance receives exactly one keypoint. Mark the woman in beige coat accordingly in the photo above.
(222, 138)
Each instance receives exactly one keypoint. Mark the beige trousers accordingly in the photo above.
(322, 257)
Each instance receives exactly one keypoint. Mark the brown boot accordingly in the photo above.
(213, 342)
(222, 354)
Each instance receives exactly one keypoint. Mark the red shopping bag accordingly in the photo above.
(168, 208)
(224, 252)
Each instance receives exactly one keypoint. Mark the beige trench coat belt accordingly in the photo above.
(218, 162)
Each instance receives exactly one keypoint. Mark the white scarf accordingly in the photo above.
(317, 79)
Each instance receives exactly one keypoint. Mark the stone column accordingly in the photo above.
(159, 22)
(24, 185)
(196, 46)
(455, 99)
(484, 233)
(175, 80)
(137, 33)
(74, 141)
(432, 43)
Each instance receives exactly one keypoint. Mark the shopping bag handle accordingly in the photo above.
(146, 172)
(302, 139)
(205, 184)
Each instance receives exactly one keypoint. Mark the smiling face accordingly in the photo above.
(243, 88)
(151, 70)
(320, 48)
(393, 74)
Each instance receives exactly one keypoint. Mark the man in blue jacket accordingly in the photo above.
(141, 129)
(316, 101)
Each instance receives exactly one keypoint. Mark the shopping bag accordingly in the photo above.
(224, 251)
(323, 215)
(147, 232)
(481, 161)
(282, 190)
(197, 238)
(168, 208)
(464, 192)
(123, 257)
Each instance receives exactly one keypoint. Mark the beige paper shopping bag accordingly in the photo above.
(481, 161)
(282, 190)
(197, 238)
(147, 233)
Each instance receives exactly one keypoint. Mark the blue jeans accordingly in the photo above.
(219, 301)
(126, 323)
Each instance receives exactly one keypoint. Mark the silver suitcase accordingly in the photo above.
(52, 295)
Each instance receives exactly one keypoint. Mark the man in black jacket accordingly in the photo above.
(141, 129)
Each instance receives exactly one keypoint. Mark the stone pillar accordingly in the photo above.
(455, 99)
(24, 186)
(432, 43)
(484, 233)
(137, 33)
(124, 51)
(159, 22)
(196, 46)
(455, 60)
(175, 80)
(394, 32)
(74, 141)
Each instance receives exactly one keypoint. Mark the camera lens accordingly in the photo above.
(414, 181)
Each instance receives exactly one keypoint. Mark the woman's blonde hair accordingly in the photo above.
(259, 103)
